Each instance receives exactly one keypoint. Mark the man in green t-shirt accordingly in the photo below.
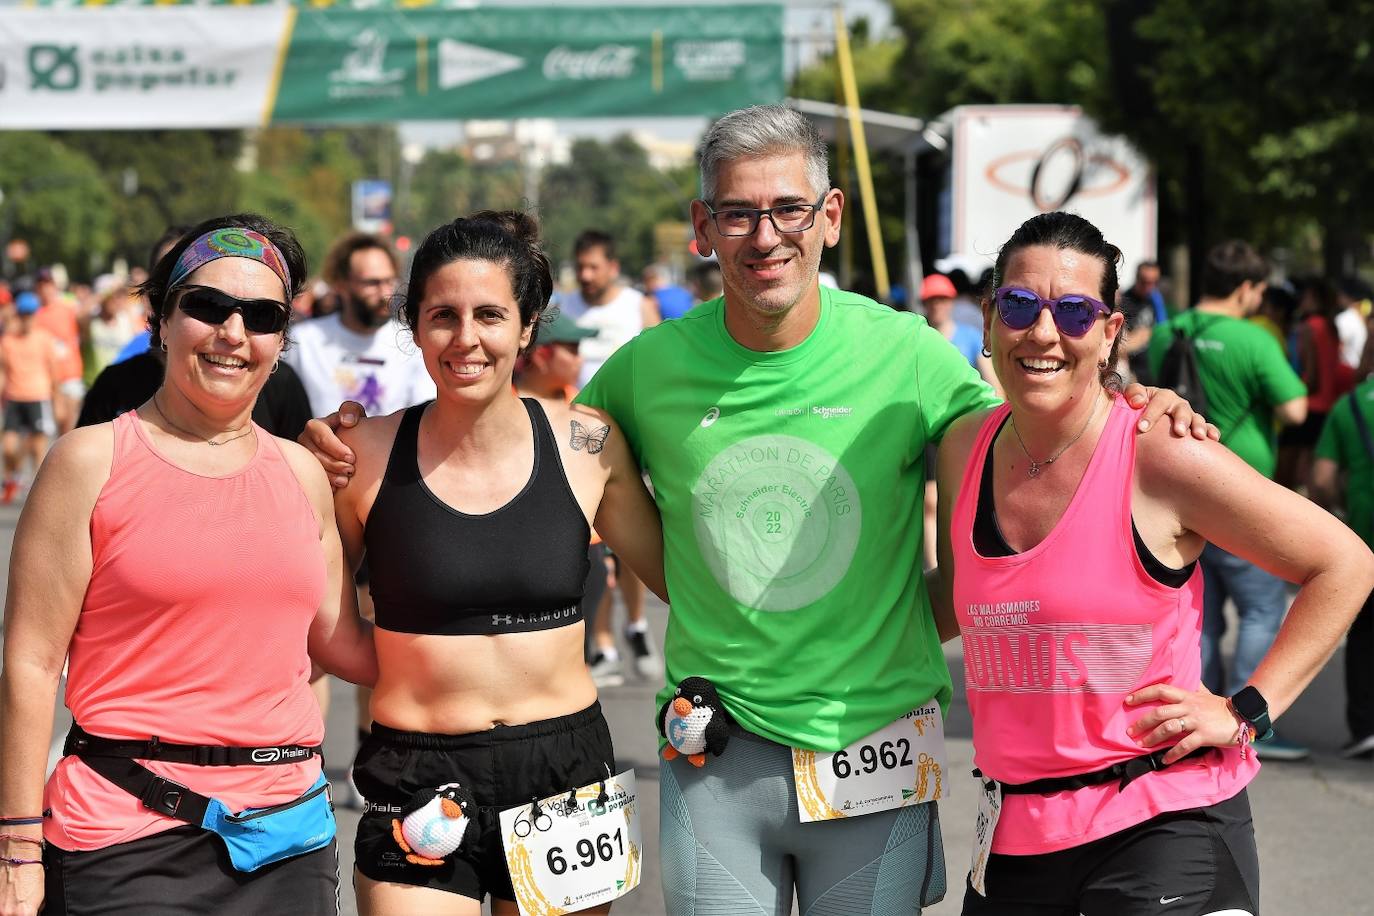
(1346, 449)
(1249, 384)
(784, 427)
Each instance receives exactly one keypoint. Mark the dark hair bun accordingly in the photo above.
(520, 225)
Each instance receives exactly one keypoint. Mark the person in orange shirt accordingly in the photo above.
(28, 369)
(57, 315)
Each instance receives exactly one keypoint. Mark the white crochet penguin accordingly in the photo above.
(694, 721)
(434, 823)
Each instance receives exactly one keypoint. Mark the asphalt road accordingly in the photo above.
(1314, 819)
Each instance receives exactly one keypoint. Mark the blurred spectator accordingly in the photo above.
(359, 353)
(672, 301)
(57, 315)
(29, 366)
(1351, 296)
(1322, 371)
(1143, 305)
(1346, 449)
(705, 281)
(1276, 312)
(602, 302)
(966, 307)
(1249, 384)
(106, 332)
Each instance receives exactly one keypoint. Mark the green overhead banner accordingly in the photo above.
(141, 66)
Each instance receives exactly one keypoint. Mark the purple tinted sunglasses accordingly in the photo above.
(1074, 314)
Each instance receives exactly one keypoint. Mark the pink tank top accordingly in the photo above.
(1056, 637)
(193, 629)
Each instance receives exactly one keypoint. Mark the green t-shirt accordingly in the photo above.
(1340, 441)
(790, 486)
(1245, 375)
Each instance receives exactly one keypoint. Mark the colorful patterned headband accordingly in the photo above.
(230, 242)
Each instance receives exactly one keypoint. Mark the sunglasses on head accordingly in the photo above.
(213, 306)
(1073, 314)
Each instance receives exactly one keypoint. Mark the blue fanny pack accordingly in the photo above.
(254, 837)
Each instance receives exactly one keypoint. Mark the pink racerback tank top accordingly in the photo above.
(1056, 637)
(193, 629)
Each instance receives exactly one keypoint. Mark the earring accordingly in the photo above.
(162, 345)
(275, 366)
(987, 352)
(1102, 364)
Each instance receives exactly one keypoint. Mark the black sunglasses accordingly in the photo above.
(214, 306)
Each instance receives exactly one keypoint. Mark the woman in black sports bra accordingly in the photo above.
(475, 512)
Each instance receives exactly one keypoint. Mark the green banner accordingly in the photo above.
(554, 61)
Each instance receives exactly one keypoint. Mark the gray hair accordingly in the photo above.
(762, 130)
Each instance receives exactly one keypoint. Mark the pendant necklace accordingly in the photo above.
(1037, 466)
(248, 428)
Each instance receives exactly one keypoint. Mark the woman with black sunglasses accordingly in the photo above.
(189, 566)
(1113, 782)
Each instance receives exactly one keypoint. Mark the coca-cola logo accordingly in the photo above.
(606, 62)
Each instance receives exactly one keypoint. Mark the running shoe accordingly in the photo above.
(648, 663)
(605, 671)
(9, 490)
(1360, 747)
(1278, 749)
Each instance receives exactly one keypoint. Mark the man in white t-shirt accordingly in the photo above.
(617, 312)
(359, 353)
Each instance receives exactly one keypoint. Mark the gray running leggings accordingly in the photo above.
(732, 844)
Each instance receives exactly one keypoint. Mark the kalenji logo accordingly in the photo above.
(607, 62)
(266, 755)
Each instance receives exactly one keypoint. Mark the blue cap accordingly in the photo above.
(26, 303)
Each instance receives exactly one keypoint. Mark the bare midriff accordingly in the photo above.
(456, 685)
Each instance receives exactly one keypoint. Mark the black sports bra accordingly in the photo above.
(439, 571)
(989, 541)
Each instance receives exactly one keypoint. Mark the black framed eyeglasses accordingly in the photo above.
(737, 221)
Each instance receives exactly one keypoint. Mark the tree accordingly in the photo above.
(56, 200)
(612, 186)
(446, 185)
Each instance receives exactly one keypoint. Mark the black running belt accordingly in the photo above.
(1126, 773)
(81, 743)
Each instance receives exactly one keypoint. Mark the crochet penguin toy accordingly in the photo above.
(433, 823)
(694, 721)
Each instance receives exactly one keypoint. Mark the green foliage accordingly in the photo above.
(612, 187)
(157, 178)
(56, 199)
(445, 185)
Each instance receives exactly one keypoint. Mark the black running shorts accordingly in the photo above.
(1184, 863)
(503, 768)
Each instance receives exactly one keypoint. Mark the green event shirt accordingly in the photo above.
(1340, 441)
(790, 485)
(1245, 375)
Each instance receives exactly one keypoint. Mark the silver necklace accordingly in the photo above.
(247, 428)
(1037, 466)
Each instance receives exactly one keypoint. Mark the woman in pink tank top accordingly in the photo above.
(1114, 781)
(187, 566)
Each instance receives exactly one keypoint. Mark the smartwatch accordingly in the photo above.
(1251, 706)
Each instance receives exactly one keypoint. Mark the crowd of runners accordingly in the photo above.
(492, 458)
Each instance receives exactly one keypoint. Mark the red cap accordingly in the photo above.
(937, 286)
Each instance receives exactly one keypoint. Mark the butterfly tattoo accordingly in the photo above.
(592, 439)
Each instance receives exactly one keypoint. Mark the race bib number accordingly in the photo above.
(989, 809)
(574, 850)
(900, 764)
